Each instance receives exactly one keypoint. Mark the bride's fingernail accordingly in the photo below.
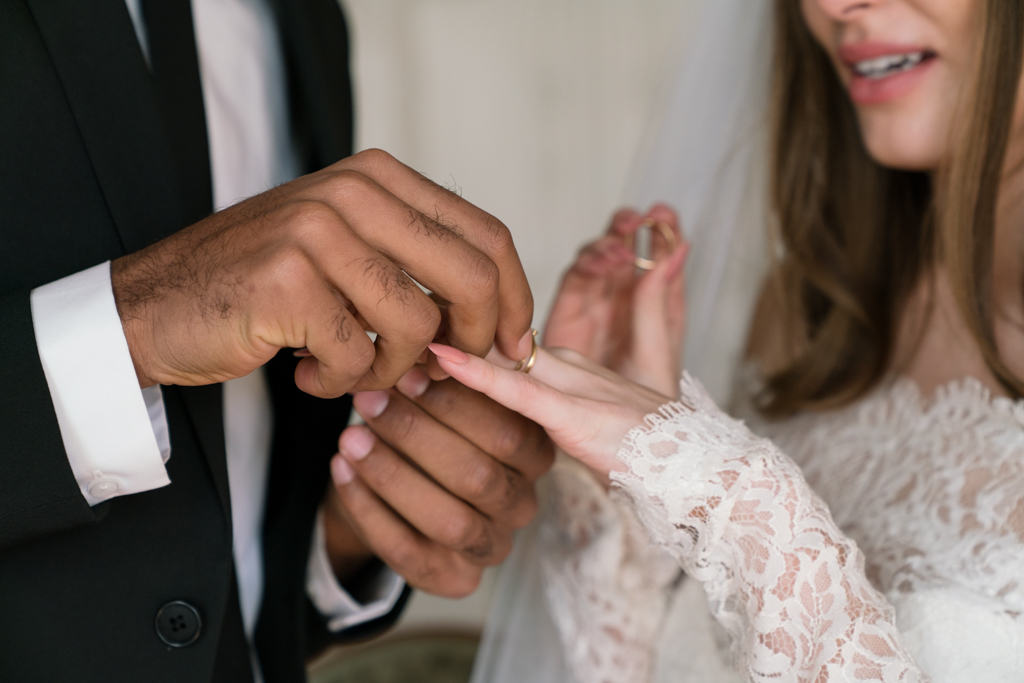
(370, 404)
(341, 472)
(449, 354)
(414, 383)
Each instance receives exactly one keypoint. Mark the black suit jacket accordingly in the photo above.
(86, 176)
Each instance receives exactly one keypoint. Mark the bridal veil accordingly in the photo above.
(705, 153)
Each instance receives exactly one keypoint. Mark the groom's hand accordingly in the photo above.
(311, 263)
(436, 483)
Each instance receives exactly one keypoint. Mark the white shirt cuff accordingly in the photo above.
(109, 426)
(340, 608)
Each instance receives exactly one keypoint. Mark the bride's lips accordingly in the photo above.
(866, 90)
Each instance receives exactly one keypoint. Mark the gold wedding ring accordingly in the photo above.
(524, 366)
(666, 232)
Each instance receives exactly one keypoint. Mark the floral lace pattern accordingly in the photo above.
(932, 492)
(611, 594)
(780, 576)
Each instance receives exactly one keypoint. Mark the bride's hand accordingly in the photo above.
(633, 325)
(585, 409)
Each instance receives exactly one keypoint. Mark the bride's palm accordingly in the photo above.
(632, 325)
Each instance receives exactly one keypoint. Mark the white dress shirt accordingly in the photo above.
(115, 434)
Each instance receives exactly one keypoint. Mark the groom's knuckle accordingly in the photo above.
(422, 321)
(405, 557)
(509, 491)
(399, 556)
(484, 480)
(362, 356)
(456, 530)
(481, 277)
(374, 161)
(480, 547)
(426, 572)
(460, 530)
(508, 439)
(497, 238)
(524, 506)
(462, 583)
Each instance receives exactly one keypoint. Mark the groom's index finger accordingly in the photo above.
(515, 300)
(469, 325)
(500, 308)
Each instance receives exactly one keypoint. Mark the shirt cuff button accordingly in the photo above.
(103, 487)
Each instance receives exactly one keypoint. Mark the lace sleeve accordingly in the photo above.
(782, 579)
(607, 586)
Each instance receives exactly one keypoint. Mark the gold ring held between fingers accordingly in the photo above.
(666, 232)
(524, 366)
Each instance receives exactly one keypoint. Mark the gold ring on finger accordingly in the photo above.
(524, 366)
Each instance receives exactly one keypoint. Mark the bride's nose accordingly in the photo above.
(845, 10)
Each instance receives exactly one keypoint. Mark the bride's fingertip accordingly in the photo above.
(666, 214)
(448, 353)
(623, 220)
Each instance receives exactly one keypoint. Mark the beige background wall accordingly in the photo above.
(533, 108)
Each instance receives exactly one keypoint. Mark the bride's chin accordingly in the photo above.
(902, 142)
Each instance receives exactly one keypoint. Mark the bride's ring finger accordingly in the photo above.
(552, 382)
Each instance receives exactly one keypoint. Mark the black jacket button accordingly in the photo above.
(178, 624)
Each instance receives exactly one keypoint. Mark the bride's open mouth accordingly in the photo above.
(890, 65)
(881, 73)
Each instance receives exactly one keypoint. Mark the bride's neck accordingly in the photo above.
(934, 345)
(1008, 261)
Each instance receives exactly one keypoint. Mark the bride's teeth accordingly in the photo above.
(879, 67)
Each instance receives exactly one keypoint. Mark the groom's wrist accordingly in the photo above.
(347, 552)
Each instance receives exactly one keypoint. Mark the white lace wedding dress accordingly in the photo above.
(879, 542)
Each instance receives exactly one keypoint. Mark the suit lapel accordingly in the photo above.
(111, 95)
(110, 92)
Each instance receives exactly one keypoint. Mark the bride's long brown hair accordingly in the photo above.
(857, 237)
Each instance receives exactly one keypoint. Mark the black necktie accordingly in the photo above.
(175, 67)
